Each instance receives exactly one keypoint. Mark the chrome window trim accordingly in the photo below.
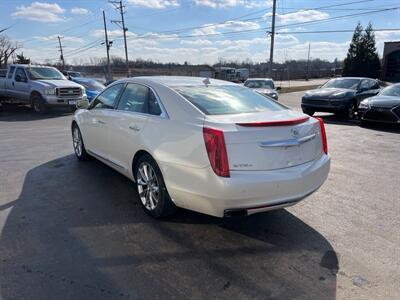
(102, 92)
(164, 113)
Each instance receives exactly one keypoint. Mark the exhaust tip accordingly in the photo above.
(235, 213)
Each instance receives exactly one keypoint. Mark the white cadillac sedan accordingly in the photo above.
(206, 145)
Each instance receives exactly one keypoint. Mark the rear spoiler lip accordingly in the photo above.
(276, 123)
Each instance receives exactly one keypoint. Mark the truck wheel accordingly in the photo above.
(38, 104)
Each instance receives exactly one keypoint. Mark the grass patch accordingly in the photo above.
(298, 88)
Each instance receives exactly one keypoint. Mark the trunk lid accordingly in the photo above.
(268, 140)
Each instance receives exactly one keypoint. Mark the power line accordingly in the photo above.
(336, 31)
(269, 28)
(180, 30)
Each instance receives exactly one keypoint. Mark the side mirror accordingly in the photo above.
(82, 104)
(18, 78)
(361, 90)
(278, 88)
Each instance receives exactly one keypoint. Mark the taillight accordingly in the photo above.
(216, 150)
(323, 135)
(275, 123)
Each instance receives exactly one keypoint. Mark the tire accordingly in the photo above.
(77, 143)
(38, 104)
(308, 112)
(349, 112)
(152, 192)
(365, 123)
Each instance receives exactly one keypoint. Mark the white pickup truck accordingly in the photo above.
(39, 86)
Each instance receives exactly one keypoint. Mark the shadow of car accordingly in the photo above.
(77, 232)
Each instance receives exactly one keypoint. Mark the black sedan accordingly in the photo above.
(340, 96)
(385, 107)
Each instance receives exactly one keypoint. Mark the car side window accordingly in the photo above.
(107, 99)
(21, 73)
(11, 72)
(139, 98)
(374, 85)
(364, 86)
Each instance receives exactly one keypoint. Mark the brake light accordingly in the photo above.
(275, 123)
(323, 135)
(216, 150)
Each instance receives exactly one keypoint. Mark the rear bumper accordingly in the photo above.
(253, 191)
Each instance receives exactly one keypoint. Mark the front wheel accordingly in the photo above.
(38, 104)
(349, 112)
(79, 146)
(151, 188)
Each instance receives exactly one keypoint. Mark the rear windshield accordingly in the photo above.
(229, 99)
(342, 83)
(259, 84)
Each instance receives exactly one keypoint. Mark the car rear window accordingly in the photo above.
(229, 99)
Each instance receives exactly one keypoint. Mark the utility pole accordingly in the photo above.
(118, 5)
(61, 51)
(308, 61)
(108, 45)
(272, 33)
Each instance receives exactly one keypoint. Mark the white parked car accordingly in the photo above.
(206, 145)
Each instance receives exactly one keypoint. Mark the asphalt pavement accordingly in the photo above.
(75, 230)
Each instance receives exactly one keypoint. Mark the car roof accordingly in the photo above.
(259, 79)
(171, 81)
(358, 78)
(30, 66)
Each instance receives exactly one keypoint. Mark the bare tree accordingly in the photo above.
(7, 48)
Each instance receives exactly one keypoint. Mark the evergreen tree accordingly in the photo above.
(371, 60)
(21, 59)
(362, 58)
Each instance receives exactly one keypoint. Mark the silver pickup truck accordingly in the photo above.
(39, 86)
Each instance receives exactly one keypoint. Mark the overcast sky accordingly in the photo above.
(191, 30)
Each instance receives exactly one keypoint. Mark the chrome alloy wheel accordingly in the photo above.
(77, 141)
(148, 187)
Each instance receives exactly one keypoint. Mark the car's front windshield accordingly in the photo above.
(92, 85)
(393, 90)
(342, 83)
(36, 73)
(259, 84)
(227, 99)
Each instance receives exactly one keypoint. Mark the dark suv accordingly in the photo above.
(340, 96)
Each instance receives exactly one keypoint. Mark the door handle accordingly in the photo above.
(134, 127)
(101, 122)
(13, 83)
